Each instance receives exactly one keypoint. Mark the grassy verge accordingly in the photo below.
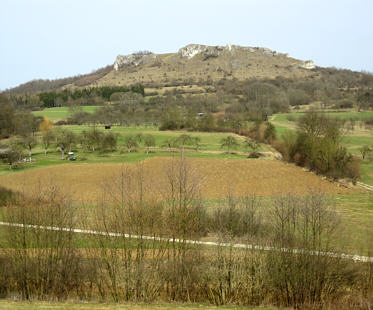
(355, 229)
(4, 304)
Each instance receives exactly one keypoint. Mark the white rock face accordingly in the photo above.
(266, 51)
(192, 50)
(133, 60)
(308, 64)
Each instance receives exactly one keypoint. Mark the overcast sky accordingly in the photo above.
(50, 39)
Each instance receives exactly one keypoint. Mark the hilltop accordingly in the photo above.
(192, 64)
(208, 63)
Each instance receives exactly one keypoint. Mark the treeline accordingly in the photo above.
(228, 104)
(68, 97)
(60, 264)
(333, 88)
(252, 98)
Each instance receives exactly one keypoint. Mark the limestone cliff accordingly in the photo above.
(134, 59)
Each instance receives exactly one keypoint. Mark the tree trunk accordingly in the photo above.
(63, 154)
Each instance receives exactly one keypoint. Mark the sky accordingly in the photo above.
(48, 39)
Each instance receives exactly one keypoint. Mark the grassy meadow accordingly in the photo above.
(59, 113)
(210, 147)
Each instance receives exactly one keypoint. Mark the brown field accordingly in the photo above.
(214, 178)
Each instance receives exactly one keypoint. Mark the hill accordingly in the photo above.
(192, 64)
(195, 62)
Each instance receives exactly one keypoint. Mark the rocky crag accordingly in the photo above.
(191, 50)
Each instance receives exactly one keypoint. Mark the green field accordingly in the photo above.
(210, 147)
(210, 141)
(55, 114)
(283, 118)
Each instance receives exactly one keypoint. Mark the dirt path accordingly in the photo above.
(355, 258)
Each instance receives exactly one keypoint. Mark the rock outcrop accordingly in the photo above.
(192, 50)
(234, 56)
(134, 59)
(308, 64)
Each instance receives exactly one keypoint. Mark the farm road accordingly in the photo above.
(355, 258)
(365, 186)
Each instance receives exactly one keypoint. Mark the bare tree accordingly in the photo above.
(130, 142)
(29, 142)
(149, 141)
(229, 142)
(47, 139)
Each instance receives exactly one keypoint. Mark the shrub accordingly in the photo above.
(291, 118)
(254, 155)
(6, 195)
(353, 169)
(317, 146)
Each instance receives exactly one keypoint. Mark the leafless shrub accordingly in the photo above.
(42, 263)
(308, 276)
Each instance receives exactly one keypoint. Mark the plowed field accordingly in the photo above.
(213, 177)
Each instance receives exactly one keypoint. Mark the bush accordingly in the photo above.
(317, 146)
(291, 118)
(353, 169)
(254, 155)
(344, 104)
(6, 195)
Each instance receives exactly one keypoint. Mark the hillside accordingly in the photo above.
(192, 64)
(196, 62)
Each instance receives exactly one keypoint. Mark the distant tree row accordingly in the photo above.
(85, 96)
(14, 122)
